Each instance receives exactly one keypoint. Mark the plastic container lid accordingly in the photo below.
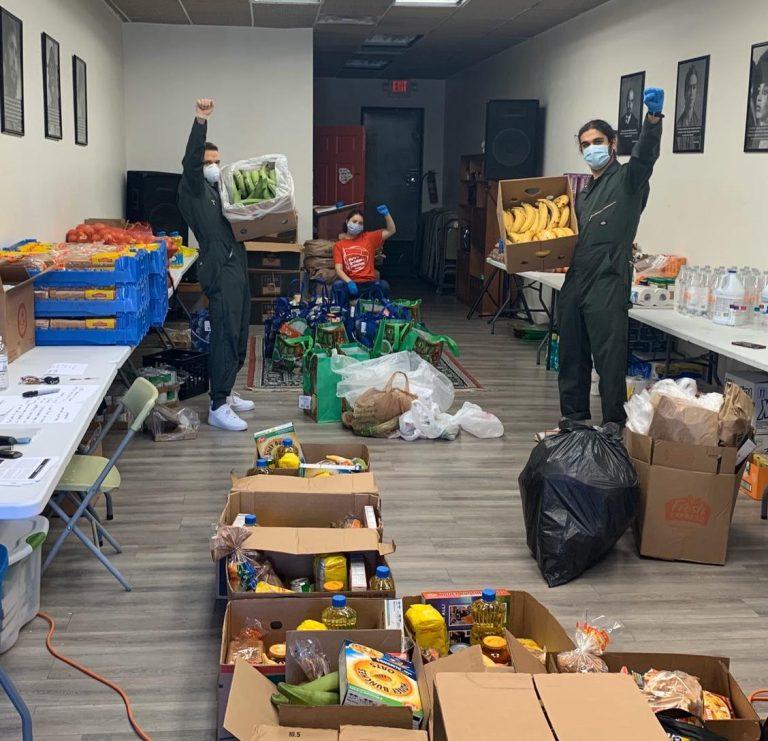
(338, 600)
(250, 519)
(21, 537)
(261, 463)
(489, 595)
(382, 572)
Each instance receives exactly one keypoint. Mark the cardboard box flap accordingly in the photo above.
(276, 733)
(309, 541)
(249, 705)
(369, 733)
(359, 483)
(273, 247)
(488, 705)
(334, 716)
(597, 707)
(639, 447)
(14, 277)
(687, 457)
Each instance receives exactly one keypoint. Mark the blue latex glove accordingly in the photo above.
(383, 210)
(352, 288)
(653, 97)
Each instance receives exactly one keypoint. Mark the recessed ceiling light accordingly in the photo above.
(371, 64)
(285, 2)
(431, 3)
(343, 20)
(384, 41)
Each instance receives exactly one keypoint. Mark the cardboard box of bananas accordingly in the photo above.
(538, 222)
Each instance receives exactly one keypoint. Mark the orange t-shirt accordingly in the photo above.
(356, 255)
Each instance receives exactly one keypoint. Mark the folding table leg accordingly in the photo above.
(71, 527)
(18, 702)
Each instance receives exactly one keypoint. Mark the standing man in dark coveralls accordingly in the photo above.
(222, 272)
(594, 303)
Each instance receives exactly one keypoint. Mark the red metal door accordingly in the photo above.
(339, 164)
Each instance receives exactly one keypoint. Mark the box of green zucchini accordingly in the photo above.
(257, 196)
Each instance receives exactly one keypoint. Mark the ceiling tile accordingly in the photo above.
(498, 10)
(408, 14)
(151, 11)
(356, 8)
(284, 16)
(536, 21)
(573, 7)
(221, 13)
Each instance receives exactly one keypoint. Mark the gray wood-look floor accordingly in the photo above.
(452, 507)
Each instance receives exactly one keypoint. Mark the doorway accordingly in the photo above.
(393, 160)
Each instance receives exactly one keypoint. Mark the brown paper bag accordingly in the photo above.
(735, 419)
(680, 421)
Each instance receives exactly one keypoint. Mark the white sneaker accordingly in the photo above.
(225, 419)
(238, 404)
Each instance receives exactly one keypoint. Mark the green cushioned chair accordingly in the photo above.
(87, 475)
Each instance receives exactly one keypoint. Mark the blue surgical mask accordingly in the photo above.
(597, 156)
(211, 173)
(354, 228)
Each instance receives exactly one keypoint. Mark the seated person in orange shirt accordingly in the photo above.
(354, 254)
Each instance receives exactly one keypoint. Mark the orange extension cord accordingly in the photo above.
(92, 674)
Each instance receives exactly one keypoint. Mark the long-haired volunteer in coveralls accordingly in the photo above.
(354, 255)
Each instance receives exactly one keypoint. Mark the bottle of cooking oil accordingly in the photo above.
(286, 454)
(382, 580)
(487, 617)
(339, 616)
(262, 466)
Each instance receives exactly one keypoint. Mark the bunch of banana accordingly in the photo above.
(254, 186)
(549, 219)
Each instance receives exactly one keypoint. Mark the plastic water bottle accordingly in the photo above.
(729, 300)
(3, 365)
(751, 294)
(762, 307)
(382, 580)
(680, 287)
(487, 617)
(339, 616)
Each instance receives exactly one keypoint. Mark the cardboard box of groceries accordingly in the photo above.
(713, 675)
(688, 493)
(273, 223)
(17, 311)
(535, 243)
(346, 733)
(755, 479)
(542, 707)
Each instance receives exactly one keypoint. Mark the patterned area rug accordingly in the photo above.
(262, 373)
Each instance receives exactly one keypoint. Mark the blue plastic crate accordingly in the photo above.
(129, 299)
(130, 330)
(129, 269)
(158, 260)
(158, 310)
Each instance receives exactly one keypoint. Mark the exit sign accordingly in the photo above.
(400, 87)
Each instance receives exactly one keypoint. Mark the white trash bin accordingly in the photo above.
(20, 589)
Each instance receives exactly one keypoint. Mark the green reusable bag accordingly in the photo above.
(319, 382)
(428, 345)
(412, 306)
(355, 350)
(390, 336)
(289, 351)
(330, 335)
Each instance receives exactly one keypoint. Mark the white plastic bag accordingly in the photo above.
(472, 419)
(428, 383)
(425, 420)
(282, 202)
(639, 411)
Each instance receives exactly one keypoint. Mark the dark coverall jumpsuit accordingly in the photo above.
(594, 302)
(221, 269)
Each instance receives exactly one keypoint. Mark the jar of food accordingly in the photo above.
(276, 652)
(496, 649)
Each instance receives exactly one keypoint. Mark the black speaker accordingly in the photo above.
(512, 139)
(151, 196)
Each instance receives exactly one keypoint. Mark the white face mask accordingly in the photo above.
(354, 228)
(211, 172)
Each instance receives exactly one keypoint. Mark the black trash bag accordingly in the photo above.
(580, 493)
(681, 724)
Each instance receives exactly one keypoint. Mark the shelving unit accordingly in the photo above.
(479, 232)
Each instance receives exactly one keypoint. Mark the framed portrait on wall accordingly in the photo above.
(51, 86)
(630, 111)
(691, 105)
(80, 93)
(11, 74)
(756, 129)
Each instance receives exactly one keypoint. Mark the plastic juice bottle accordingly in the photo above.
(487, 617)
(262, 466)
(339, 616)
(382, 580)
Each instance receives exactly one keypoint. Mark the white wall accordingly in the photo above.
(710, 206)
(261, 80)
(338, 102)
(47, 186)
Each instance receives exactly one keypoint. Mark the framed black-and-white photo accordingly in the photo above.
(630, 111)
(51, 86)
(80, 86)
(691, 105)
(756, 131)
(11, 74)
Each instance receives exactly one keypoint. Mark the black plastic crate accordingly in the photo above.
(192, 367)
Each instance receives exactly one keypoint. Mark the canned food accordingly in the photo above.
(301, 585)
